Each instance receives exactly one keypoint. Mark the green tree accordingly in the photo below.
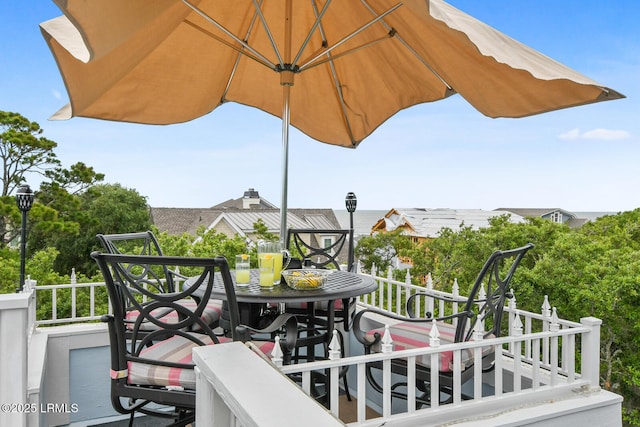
(590, 271)
(9, 270)
(106, 209)
(23, 150)
(380, 249)
(596, 271)
(262, 231)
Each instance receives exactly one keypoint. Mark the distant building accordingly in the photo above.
(552, 214)
(421, 224)
(237, 217)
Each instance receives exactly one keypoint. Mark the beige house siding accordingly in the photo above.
(226, 228)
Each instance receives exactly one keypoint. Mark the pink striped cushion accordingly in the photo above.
(408, 335)
(177, 350)
(210, 315)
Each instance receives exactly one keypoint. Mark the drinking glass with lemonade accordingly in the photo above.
(243, 269)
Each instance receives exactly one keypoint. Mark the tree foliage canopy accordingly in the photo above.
(589, 271)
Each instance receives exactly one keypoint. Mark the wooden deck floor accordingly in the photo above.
(349, 410)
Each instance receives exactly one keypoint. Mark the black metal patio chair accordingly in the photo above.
(321, 254)
(414, 332)
(151, 370)
(146, 243)
(320, 248)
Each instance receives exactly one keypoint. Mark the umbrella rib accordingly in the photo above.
(316, 24)
(334, 73)
(229, 45)
(350, 36)
(406, 45)
(343, 104)
(268, 31)
(348, 52)
(237, 62)
(262, 58)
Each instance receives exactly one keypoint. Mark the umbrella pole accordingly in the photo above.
(286, 81)
(286, 88)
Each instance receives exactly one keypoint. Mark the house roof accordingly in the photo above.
(537, 212)
(250, 200)
(424, 222)
(244, 219)
(176, 221)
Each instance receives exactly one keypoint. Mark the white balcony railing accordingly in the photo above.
(543, 358)
(89, 307)
(537, 360)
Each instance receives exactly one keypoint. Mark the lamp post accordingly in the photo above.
(24, 199)
(351, 202)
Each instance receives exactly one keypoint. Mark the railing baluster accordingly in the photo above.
(546, 313)
(457, 377)
(306, 382)
(92, 301)
(455, 290)
(570, 348)
(535, 376)
(389, 302)
(498, 370)
(429, 302)
(411, 381)
(362, 392)
(398, 291)
(554, 360)
(54, 304)
(73, 302)
(517, 351)
(477, 373)
(527, 330)
(517, 366)
(435, 381)
(386, 388)
(334, 393)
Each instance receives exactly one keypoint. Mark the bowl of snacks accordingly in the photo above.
(306, 278)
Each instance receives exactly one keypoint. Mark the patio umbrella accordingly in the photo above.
(334, 70)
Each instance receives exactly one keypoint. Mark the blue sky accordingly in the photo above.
(443, 154)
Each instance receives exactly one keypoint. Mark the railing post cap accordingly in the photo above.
(591, 321)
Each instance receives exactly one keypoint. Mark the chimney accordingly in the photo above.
(250, 197)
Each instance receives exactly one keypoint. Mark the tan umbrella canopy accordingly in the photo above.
(334, 70)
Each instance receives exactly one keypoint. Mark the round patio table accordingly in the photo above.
(252, 297)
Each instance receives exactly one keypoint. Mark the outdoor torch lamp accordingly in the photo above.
(351, 202)
(24, 199)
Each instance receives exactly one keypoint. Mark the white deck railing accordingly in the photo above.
(537, 360)
(527, 374)
(76, 305)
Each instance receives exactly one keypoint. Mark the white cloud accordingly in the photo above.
(572, 134)
(56, 94)
(600, 134)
